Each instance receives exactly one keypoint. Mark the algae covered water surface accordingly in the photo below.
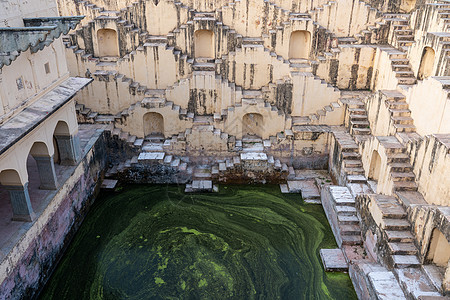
(155, 242)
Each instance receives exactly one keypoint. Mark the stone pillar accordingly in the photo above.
(47, 174)
(20, 202)
(69, 149)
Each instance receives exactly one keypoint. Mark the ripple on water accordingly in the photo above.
(155, 242)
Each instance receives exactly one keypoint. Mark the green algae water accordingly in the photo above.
(155, 242)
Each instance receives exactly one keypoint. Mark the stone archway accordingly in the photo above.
(153, 124)
(299, 44)
(439, 249)
(426, 64)
(66, 145)
(252, 125)
(375, 166)
(108, 43)
(40, 164)
(204, 44)
(19, 198)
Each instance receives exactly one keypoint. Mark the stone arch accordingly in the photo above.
(41, 162)
(300, 44)
(66, 145)
(375, 166)
(426, 64)
(108, 43)
(61, 128)
(253, 124)
(19, 198)
(438, 249)
(10, 177)
(153, 124)
(39, 149)
(204, 43)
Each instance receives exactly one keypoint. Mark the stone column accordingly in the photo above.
(20, 202)
(47, 174)
(69, 149)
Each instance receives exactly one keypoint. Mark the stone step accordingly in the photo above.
(343, 210)
(389, 207)
(400, 167)
(403, 176)
(361, 131)
(405, 120)
(405, 261)
(396, 224)
(350, 229)
(352, 163)
(405, 186)
(398, 158)
(351, 240)
(404, 127)
(350, 155)
(356, 179)
(399, 236)
(168, 159)
(348, 220)
(354, 171)
(402, 248)
(357, 111)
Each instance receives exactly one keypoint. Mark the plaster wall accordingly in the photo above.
(12, 11)
(431, 161)
(430, 106)
(26, 79)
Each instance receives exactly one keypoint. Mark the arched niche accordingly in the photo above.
(108, 43)
(300, 44)
(439, 249)
(204, 44)
(153, 124)
(252, 125)
(426, 64)
(375, 166)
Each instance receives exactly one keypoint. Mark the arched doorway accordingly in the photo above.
(108, 44)
(375, 166)
(253, 125)
(299, 44)
(204, 44)
(426, 64)
(153, 124)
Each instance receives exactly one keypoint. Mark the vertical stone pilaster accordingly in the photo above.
(69, 149)
(20, 202)
(47, 174)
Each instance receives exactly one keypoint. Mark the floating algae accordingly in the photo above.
(246, 242)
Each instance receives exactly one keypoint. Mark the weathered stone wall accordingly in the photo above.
(430, 159)
(27, 267)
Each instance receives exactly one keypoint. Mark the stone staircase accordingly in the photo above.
(351, 169)
(396, 229)
(339, 206)
(399, 112)
(400, 170)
